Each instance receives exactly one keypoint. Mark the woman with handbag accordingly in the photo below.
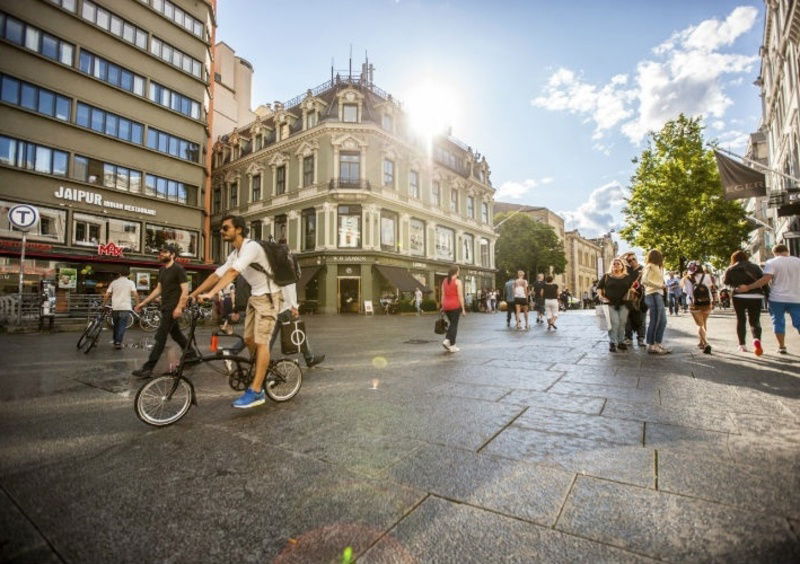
(746, 304)
(698, 286)
(652, 279)
(452, 306)
(614, 289)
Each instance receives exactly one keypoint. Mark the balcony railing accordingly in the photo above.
(349, 184)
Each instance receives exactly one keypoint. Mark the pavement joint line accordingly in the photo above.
(394, 526)
(33, 524)
(655, 468)
(506, 426)
(644, 432)
(508, 393)
(556, 381)
(564, 501)
(602, 407)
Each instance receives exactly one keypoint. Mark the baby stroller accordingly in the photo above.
(725, 298)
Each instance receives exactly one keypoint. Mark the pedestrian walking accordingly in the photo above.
(290, 311)
(674, 292)
(173, 287)
(452, 306)
(493, 299)
(550, 295)
(637, 309)
(521, 297)
(698, 285)
(227, 297)
(121, 291)
(783, 271)
(614, 288)
(652, 279)
(418, 300)
(747, 305)
(508, 291)
(538, 298)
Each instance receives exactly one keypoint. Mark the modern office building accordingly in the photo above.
(368, 208)
(103, 127)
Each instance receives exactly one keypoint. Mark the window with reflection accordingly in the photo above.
(349, 227)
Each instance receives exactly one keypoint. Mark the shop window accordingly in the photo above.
(349, 168)
(126, 234)
(445, 244)
(388, 231)
(349, 227)
(309, 229)
(52, 226)
(280, 227)
(157, 235)
(308, 170)
(280, 180)
(416, 237)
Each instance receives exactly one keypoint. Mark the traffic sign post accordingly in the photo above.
(23, 217)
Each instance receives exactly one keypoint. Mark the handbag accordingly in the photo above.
(293, 335)
(441, 325)
(602, 317)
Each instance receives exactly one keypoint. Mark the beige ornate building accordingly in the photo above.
(608, 250)
(337, 172)
(583, 256)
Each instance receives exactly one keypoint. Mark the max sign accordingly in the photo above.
(110, 249)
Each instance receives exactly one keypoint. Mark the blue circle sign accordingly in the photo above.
(23, 216)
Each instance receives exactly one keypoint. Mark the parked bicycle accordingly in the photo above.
(148, 319)
(165, 399)
(88, 338)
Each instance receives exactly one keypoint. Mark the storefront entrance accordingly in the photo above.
(349, 294)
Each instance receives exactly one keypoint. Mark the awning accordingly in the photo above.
(401, 279)
(306, 274)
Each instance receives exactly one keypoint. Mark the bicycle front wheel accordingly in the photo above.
(283, 380)
(164, 400)
(149, 320)
(93, 333)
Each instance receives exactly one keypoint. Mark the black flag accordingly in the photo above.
(739, 181)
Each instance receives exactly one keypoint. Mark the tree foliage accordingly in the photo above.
(676, 203)
(526, 244)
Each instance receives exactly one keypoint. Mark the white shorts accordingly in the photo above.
(551, 308)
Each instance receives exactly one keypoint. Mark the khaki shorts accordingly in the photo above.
(262, 312)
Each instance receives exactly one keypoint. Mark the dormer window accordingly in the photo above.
(388, 122)
(311, 119)
(350, 113)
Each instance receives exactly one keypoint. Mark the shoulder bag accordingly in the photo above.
(441, 325)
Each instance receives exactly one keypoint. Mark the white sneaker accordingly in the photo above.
(454, 348)
(446, 344)
(742, 348)
(663, 349)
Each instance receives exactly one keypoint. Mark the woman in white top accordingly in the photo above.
(521, 297)
(700, 301)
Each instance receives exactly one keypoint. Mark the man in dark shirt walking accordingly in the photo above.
(173, 288)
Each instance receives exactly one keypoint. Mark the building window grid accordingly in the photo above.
(175, 57)
(350, 113)
(413, 183)
(216, 203)
(34, 39)
(111, 73)
(233, 195)
(68, 5)
(172, 145)
(168, 98)
(178, 16)
(255, 188)
(453, 200)
(471, 207)
(113, 24)
(280, 180)
(485, 212)
(172, 190)
(349, 227)
(308, 170)
(122, 178)
(309, 217)
(349, 168)
(109, 123)
(388, 173)
(31, 97)
(436, 193)
(31, 156)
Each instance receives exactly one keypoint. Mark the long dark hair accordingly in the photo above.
(452, 273)
(738, 256)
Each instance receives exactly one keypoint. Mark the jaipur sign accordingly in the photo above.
(110, 249)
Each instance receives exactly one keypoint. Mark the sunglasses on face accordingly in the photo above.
(225, 228)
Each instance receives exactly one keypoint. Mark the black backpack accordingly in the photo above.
(700, 293)
(282, 262)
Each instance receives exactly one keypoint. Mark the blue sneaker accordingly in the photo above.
(250, 399)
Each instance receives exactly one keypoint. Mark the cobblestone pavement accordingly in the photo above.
(525, 446)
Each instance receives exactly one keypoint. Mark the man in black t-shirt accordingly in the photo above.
(538, 297)
(173, 288)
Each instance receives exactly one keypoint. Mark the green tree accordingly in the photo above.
(526, 244)
(676, 203)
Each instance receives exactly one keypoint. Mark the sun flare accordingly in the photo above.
(431, 108)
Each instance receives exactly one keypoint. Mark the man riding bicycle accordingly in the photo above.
(262, 306)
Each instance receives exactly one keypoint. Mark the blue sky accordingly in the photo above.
(558, 96)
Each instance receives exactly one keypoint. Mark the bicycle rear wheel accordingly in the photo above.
(164, 400)
(82, 338)
(93, 334)
(283, 380)
(149, 320)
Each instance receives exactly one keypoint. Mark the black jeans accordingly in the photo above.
(751, 308)
(452, 315)
(509, 310)
(283, 317)
(167, 327)
(637, 320)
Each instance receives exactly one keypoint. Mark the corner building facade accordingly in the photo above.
(103, 127)
(370, 209)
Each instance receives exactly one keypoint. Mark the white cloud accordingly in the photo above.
(600, 212)
(688, 76)
(516, 190)
(734, 140)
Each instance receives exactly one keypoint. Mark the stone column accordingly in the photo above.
(403, 230)
(293, 228)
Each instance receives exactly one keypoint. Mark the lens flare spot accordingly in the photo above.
(379, 362)
(375, 383)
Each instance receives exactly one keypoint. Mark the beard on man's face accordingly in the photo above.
(165, 258)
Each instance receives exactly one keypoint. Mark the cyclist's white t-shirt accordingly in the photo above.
(241, 259)
(120, 290)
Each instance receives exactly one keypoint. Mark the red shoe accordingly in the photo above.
(757, 347)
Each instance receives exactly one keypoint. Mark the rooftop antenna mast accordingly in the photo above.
(350, 68)
(332, 69)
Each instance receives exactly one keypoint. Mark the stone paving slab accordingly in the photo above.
(19, 539)
(672, 527)
(577, 404)
(687, 417)
(443, 531)
(570, 387)
(507, 378)
(481, 392)
(592, 427)
(770, 490)
(687, 439)
(633, 465)
(518, 489)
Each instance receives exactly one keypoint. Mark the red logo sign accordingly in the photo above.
(110, 249)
